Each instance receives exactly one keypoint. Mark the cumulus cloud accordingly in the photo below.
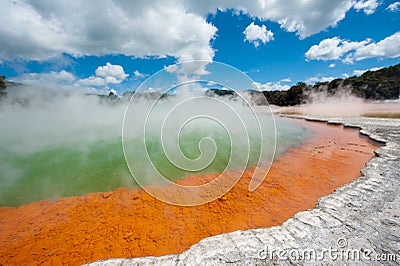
(360, 72)
(104, 75)
(46, 79)
(41, 30)
(332, 65)
(388, 47)
(333, 49)
(286, 80)
(114, 74)
(138, 75)
(348, 60)
(270, 86)
(302, 17)
(394, 7)
(347, 51)
(92, 81)
(256, 34)
(62, 81)
(171, 68)
(368, 6)
(313, 80)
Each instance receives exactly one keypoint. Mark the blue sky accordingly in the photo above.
(117, 45)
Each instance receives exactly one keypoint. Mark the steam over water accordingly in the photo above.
(56, 144)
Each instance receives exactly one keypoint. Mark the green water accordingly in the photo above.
(80, 168)
(61, 172)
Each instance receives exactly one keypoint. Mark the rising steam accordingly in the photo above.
(343, 103)
(57, 143)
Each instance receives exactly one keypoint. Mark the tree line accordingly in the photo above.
(382, 84)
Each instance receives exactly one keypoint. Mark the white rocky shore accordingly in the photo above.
(358, 224)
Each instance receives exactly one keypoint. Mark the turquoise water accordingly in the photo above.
(54, 146)
(78, 169)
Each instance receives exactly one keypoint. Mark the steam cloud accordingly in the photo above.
(343, 103)
(57, 143)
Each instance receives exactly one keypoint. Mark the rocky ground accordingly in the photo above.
(357, 224)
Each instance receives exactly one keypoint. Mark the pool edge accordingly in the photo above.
(363, 213)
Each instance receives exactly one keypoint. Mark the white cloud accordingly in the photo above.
(360, 72)
(46, 79)
(92, 81)
(104, 75)
(254, 33)
(171, 68)
(286, 80)
(61, 80)
(40, 30)
(113, 74)
(138, 75)
(332, 65)
(270, 86)
(332, 49)
(65, 76)
(348, 60)
(388, 47)
(303, 17)
(394, 7)
(316, 79)
(347, 51)
(368, 6)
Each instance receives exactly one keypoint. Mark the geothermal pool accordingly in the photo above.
(71, 145)
(131, 223)
(71, 164)
(75, 170)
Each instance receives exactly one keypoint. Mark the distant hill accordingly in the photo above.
(383, 84)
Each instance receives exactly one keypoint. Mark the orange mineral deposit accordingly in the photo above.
(131, 223)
